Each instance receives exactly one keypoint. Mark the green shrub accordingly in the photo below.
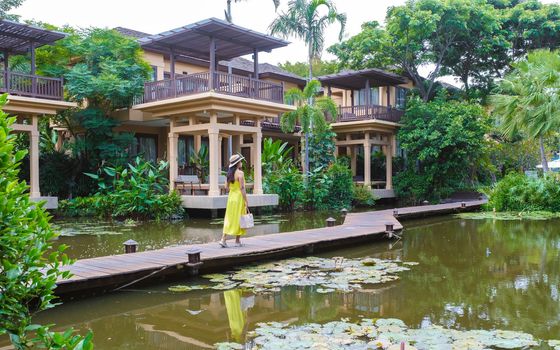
(317, 190)
(29, 267)
(516, 192)
(362, 197)
(341, 190)
(288, 184)
(137, 191)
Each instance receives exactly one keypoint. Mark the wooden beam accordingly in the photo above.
(256, 63)
(361, 142)
(212, 62)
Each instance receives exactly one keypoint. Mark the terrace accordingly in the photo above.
(21, 39)
(212, 40)
(360, 104)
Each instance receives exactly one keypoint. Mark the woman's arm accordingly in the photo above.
(241, 179)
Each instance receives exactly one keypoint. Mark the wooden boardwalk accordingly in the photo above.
(104, 274)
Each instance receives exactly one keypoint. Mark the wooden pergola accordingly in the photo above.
(214, 104)
(29, 95)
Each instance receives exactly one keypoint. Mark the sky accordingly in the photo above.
(161, 15)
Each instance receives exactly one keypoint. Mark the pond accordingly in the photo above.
(472, 274)
(92, 238)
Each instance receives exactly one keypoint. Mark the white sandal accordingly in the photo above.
(222, 243)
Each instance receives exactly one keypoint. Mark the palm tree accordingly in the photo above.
(310, 113)
(530, 98)
(227, 11)
(303, 21)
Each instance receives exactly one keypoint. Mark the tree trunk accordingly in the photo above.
(543, 155)
(228, 12)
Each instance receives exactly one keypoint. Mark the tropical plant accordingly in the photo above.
(311, 113)
(201, 162)
(321, 148)
(529, 102)
(275, 156)
(30, 266)
(304, 20)
(362, 197)
(7, 5)
(341, 185)
(287, 183)
(517, 192)
(445, 140)
(317, 189)
(138, 190)
(227, 11)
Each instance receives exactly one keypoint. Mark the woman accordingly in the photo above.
(237, 201)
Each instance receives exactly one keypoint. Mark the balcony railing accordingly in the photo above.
(356, 113)
(31, 85)
(228, 84)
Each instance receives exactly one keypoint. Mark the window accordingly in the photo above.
(186, 147)
(146, 146)
(360, 97)
(166, 75)
(400, 101)
(154, 73)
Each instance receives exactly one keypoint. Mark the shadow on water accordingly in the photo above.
(472, 274)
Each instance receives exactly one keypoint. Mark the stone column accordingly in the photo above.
(257, 146)
(213, 150)
(389, 167)
(220, 151)
(172, 154)
(367, 161)
(34, 159)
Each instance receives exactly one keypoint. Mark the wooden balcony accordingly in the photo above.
(367, 112)
(31, 85)
(223, 83)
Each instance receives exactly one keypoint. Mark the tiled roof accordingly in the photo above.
(246, 65)
(131, 32)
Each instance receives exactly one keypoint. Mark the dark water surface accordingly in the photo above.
(88, 239)
(472, 274)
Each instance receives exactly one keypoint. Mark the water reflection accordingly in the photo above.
(472, 274)
(87, 238)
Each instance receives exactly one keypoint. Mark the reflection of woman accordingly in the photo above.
(237, 201)
(235, 313)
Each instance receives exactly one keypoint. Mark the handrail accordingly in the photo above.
(228, 84)
(23, 84)
(367, 112)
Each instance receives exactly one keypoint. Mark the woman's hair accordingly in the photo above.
(231, 173)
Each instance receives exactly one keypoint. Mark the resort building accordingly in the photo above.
(30, 96)
(203, 92)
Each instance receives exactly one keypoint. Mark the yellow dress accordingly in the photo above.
(234, 209)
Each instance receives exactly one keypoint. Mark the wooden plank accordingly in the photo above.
(121, 268)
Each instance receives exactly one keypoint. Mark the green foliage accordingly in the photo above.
(99, 65)
(275, 156)
(321, 148)
(7, 5)
(287, 183)
(362, 197)
(201, 162)
(138, 190)
(320, 68)
(446, 138)
(341, 190)
(529, 102)
(311, 117)
(306, 20)
(29, 266)
(317, 189)
(517, 192)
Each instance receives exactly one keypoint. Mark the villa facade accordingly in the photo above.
(30, 96)
(203, 92)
